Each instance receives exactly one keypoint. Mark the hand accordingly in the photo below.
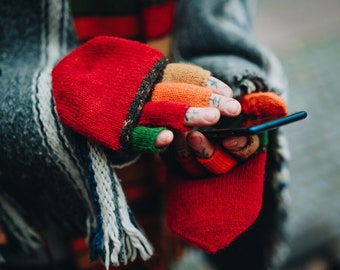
(197, 155)
(132, 110)
(205, 148)
(220, 103)
(194, 148)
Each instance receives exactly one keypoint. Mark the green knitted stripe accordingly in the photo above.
(143, 139)
(264, 139)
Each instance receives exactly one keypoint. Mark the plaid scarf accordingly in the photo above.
(139, 20)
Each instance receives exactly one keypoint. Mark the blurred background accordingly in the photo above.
(305, 35)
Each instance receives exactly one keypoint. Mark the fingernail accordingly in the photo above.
(233, 107)
(194, 140)
(164, 138)
(230, 143)
(210, 114)
(235, 143)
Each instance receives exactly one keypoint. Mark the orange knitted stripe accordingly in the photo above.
(263, 103)
(183, 93)
(220, 162)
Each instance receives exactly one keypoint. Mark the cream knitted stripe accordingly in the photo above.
(136, 238)
(110, 224)
(53, 45)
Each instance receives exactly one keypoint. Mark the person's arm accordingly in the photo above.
(223, 42)
(217, 35)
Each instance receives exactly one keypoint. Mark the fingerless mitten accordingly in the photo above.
(211, 212)
(108, 86)
(100, 88)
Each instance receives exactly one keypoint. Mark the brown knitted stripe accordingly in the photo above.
(143, 93)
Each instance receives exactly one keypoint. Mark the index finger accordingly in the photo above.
(196, 96)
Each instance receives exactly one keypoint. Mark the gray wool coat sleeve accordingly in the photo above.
(217, 35)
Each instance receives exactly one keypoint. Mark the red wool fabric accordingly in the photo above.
(158, 20)
(95, 85)
(210, 213)
(164, 113)
(124, 26)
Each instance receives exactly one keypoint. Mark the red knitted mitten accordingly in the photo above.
(109, 86)
(211, 212)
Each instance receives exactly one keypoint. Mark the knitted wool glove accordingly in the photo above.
(211, 212)
(103, 89)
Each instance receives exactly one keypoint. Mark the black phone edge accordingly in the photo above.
(221, 133)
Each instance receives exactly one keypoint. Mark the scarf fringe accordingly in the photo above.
(117, 238)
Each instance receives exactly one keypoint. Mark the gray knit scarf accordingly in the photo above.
(48, 172)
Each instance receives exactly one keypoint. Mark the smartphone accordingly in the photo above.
(254, 126)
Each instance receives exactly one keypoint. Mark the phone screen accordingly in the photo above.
(250, 126)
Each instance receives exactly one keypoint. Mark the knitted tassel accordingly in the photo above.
(135, 240)
(116, 239)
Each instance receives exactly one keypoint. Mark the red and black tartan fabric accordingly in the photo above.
(139, 20)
